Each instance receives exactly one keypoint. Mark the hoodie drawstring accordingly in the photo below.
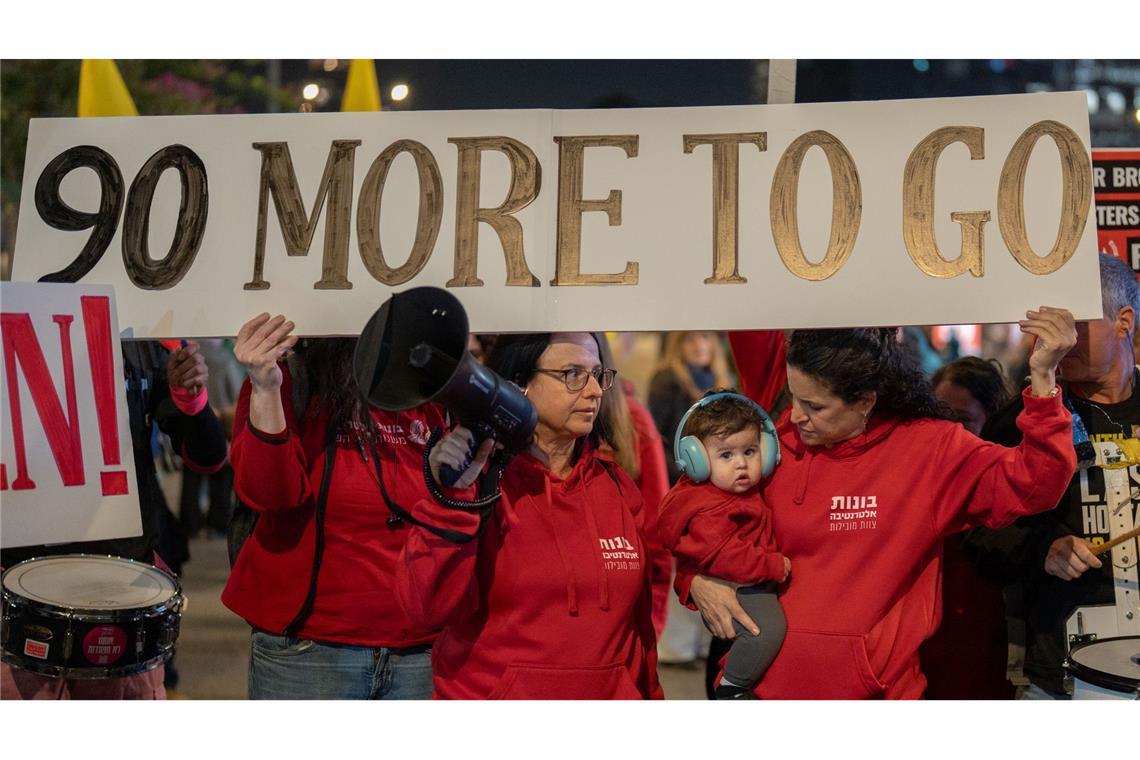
(571, 578)
(801, 490)
(603, 573)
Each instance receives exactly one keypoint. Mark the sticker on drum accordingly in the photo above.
(1106, 669)
(104, 645)
(104, 617)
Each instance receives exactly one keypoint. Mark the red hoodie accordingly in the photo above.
(552, 601)
(279, 476)
(865, 522)
(722, 534)
(654, 484)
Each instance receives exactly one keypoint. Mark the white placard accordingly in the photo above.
(659, 230)
(67, 466)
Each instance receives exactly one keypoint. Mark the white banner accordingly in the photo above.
(944, 211)
(67, 471)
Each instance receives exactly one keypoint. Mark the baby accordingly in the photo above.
(716, 523)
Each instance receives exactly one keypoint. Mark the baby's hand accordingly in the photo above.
(787, 568)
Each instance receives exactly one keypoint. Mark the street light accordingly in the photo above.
(400, 91)
(312, 89)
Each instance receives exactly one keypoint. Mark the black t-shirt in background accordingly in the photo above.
(1083, 511)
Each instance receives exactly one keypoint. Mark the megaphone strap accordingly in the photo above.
(319, 549)
(399, 515)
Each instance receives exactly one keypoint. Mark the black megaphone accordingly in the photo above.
(414, 350)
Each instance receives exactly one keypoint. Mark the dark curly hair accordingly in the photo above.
(854, 362)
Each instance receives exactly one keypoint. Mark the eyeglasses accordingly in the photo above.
(576, 378)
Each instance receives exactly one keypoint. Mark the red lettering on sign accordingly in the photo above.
(100, 348)
(20, 344)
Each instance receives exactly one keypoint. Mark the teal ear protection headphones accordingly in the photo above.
(692, 459)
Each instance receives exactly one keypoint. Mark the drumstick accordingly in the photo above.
(1114, 542)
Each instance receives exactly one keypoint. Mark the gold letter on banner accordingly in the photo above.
(428, 221)
(526, 180)
(279, 179)
(571, 207)
(726, 194)
(918, 206)
(1076, 193)
(846, 206)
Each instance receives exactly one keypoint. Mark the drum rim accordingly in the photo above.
(96, 614)
(173, 602)
(84, 673)
(1100, 678)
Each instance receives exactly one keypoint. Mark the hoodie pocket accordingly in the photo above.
(548, 682)
(817, 665)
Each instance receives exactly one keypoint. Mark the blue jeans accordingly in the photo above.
(283, 667)
(1035, 692)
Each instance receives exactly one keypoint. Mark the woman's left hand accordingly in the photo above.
(716, 600)
(1056, 334)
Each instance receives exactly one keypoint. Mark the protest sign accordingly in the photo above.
(67, 471)
(1116, 187)
(933, 211)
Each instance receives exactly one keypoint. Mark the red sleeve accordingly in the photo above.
(271, 472)
(436, 579)
(761, 360)
(654, 484)
(985, 483)
(726, 541)
(682, 582)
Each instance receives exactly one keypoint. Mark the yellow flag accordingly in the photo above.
(361, 91)
(102, 91)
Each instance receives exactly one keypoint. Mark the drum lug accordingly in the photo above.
(1080, 638)
(167, 636)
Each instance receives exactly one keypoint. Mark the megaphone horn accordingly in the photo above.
(414, 350)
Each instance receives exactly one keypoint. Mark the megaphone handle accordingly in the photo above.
(448, 475)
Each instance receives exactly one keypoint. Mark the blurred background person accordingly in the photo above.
(223, 385)
(691, 364)
(966, 658)
(1049, 555)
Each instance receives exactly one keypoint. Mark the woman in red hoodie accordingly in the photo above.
(314, 580)
(552, 600)
(871, 480)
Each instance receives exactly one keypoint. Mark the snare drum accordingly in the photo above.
(1106, 669)
(87, 616)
